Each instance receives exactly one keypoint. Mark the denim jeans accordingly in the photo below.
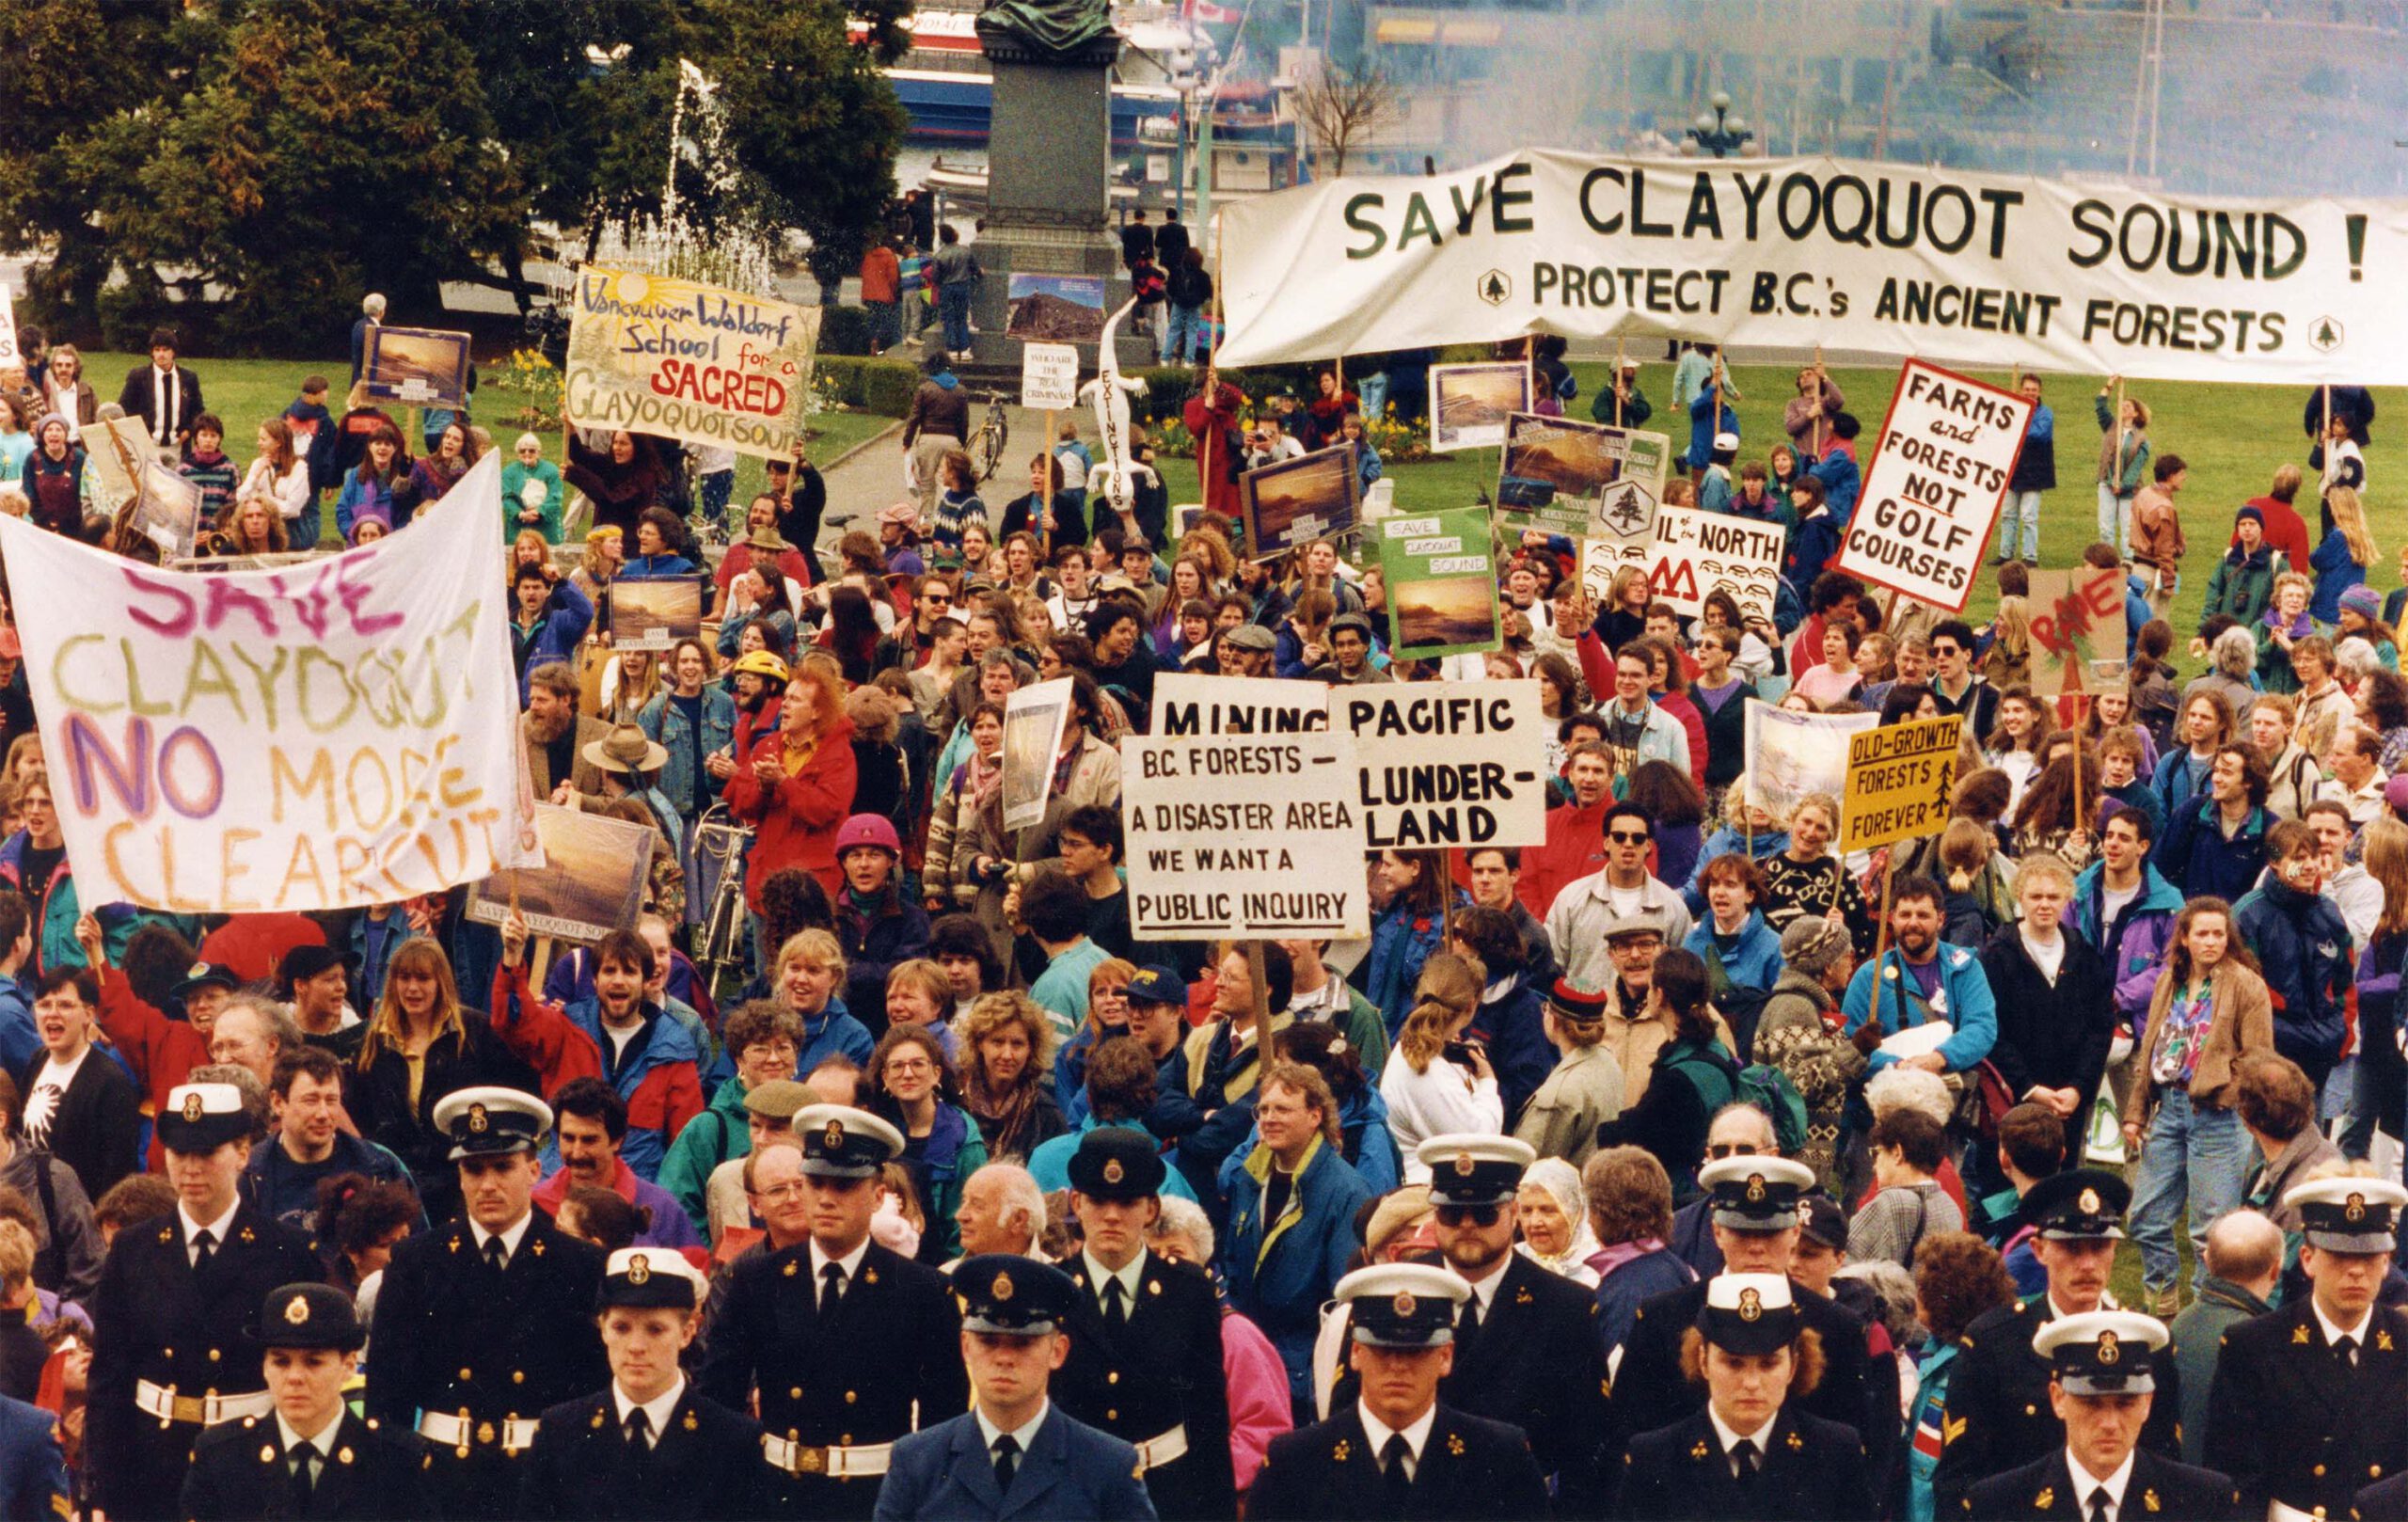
(1179, 333)
(2022, 508)
(953, 305)
(303, 529)
(2114, 519)
(2194, 1154)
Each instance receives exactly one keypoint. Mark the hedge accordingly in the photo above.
(880, 385)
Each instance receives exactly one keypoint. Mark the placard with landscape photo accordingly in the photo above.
(1054, 308)
(1292, 502)
(591, 881)
(1469, 405)
(1442, 582)
(423, 367)
(166, 512)
(654, 615)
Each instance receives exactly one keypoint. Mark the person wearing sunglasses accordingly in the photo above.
(1755, 1216)
(1622, 892)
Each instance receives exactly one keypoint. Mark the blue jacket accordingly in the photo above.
(2335, 573)
(33, 1467)
(1842, 479)
(875, 944)
(1510, 1023)
(1363, 1121)
(1812, 544)
(2148, 926)
(20, 1043)
(2138, 794)
(372, 947)
(2175, 786)
(1962, 983)
(566, 617)
(1729, 841)
(1703, 427)
(54, 943)
(1620, 1293)
(1755, 963)
(944, 1473)
(1279, 1272)
(1401, 942)
(288, 1190)
(2302, 949)
(2196, 857)
(1050, 1164)
(665, 723)
(2135, 613)
(834, 1034)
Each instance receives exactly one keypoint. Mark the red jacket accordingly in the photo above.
(1680, 707)
(254, 944)
(1215, 429)
(161, 1052)
(662, 1089)
(2286, 534)
(1574, 849)
(795, 822)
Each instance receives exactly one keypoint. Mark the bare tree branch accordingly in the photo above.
(1343, 104)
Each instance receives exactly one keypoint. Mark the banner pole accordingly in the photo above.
(1447, 891)
(1614, 382)
(1882, 937)
(1818, 401)
(1045, 535)
(2326, 443)
(1260, 995)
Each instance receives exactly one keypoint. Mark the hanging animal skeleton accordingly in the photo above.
(1115, 477)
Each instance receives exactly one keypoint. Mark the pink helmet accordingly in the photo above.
(867, 829)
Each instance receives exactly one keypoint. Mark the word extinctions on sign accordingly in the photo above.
(651, 355)
(1187, 703)
(1937, 479)
(1242, 836)
(1697, 553)
(1448, 762)
(1899, 777)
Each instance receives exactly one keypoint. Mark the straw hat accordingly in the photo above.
(626, 748)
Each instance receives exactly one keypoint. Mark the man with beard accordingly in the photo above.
(1921, 980)
(556, 735)
(1350, 654)
(1246, 650)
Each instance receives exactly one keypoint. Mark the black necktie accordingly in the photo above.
(205, 1246)
(1743, 1454)
(1393, 1479)
(831, 1279)
(638, 1427)
(497, 1255)
(303, 1455)
(2098, 1504)
(1467, 1323)
(1116, 1313)
(1007, 1461)
(2348, 1349)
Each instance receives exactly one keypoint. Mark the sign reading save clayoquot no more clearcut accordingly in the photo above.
(651, 355)
(1991, 271)
(1937, 479)
(1243, 835)
(1445, 764)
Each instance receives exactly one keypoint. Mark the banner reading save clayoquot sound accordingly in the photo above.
(1989, 271)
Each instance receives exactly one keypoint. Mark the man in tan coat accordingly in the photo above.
(556, 735)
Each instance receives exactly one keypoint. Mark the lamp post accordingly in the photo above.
(1722, 134)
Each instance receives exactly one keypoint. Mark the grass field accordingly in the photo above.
(2232, 437)
(247, 392)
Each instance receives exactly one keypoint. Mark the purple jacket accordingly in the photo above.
(2148, 925)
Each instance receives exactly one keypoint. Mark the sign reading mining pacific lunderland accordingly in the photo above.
(1985, 271)
(1898, 779)
(1242, 836)
(1448, 764)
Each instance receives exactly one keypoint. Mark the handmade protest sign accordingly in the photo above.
(1287, 504)
(1986, 271)
(115, 452)
(655, 614)
(1792, 755)
(166, 509)
(1243, 835)
(653, 355)
(1937, 479)
(1696, 553)
(1442, 582)
(322, 737)
(1446, 763)
(423, 366)
(9, 353)
(1034, 718)
(1898, 779)
(2078, 631)
(1581, 479)
(1470, 402)
(591, 880)
(1049, 377)
(1187, 703)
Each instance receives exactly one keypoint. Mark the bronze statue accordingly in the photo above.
(1054, 30)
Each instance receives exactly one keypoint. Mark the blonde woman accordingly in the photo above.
(1007, 1048)
(1436, 1082)
(2285, 625)
(2342, 557)
(422, 1044)
(810, 971)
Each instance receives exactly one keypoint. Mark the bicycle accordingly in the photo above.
(986, 445)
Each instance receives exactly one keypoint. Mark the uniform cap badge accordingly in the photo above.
(1404, 1303)
(1113, 1171)
(833, 1137)
(192, 1107)
(1002, 1287)
(2109, 1352)
(639, 1269)
(296, 1310)
(477, 1117)
(1751, 1305)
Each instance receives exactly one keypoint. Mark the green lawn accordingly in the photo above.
(2233, 436)
(247, 392)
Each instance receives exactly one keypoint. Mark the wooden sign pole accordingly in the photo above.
(1615, 381)
(1818, 401)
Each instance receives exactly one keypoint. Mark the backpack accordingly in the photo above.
(1769, 1090)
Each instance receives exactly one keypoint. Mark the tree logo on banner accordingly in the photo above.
(1496, 288)
(1627, 510)
(2326, 336)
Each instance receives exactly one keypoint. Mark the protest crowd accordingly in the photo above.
(1690, 1161)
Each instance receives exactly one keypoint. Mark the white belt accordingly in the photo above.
(2277, 1512)
(446, 1430)
(162, 1400)
(859, 1463)
(1169, 1448)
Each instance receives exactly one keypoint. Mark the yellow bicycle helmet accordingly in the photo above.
(761, 663)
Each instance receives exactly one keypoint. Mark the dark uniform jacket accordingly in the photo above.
(239, 1472)
(1536, 1363)
(1470, 1468)
(33, 1468)
(888, 1362)
(2295, 1423)
(2159, 1487)
(453, 1336)
(1999, 1416)
(1650, 1392)
(705, 1463)
(2386, 1501)
(157, 1317)
(1812, 1471)
(1071, 1473)
(1162, 1371)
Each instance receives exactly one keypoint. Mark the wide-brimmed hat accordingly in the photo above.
(627, 750)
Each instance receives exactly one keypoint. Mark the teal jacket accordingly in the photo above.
(720, 1133)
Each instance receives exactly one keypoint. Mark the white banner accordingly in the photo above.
(1938, 478)
(1448, 762)
(1982, 270)
(322, 737)
(1242, 836)
(1187, 703)
(1793, 756)
(9, 352)
(1049, 377)
(1696, 553)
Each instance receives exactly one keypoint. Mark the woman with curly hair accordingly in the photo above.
(1957, 1278)
(910, 1086)
(1008, 1047)
(360, 1221)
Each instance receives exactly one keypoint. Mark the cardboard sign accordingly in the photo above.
(335, 734)
(1934, 489)
(1034, 718)
(422, 367)
(1469, 405)
(1696, 553)
(723, 369)
(1243, 835)
(2078, 633)
(1058, 308)
(1289, 503)
(655, 614)
(116, 451)
(1187, 703)
(591, 881)
(1049, 377)
(1898, 779)
(9, 353)
(1583, 479)
(1448, 762)
(1442, 584)
(1792, 755)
